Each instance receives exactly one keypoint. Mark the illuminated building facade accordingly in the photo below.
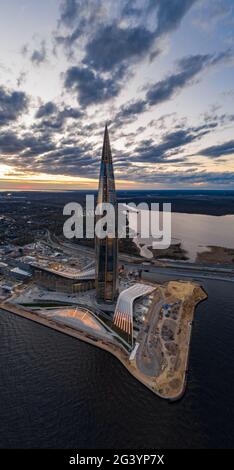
(107, 248)
(123, 316)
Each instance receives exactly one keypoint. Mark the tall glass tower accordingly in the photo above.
(107, 248)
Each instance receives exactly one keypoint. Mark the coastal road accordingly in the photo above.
(177, 273)
(176, 269)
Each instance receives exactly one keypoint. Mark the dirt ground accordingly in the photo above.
(216, 255)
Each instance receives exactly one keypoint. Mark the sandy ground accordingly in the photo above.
(171, 382)
(215, 255)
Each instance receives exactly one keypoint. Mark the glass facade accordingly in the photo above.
(107, 248)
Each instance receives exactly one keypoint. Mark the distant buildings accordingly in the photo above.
(20, 274)
(15, 270)
(107, 248)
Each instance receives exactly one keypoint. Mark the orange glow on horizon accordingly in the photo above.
(61, 183)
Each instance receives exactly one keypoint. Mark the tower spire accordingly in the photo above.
(106, 150)
(107, 248)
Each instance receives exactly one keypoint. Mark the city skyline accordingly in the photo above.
(160, 71)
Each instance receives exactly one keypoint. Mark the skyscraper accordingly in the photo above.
(107, 248)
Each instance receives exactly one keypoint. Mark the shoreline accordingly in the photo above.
(112, 348)
(190, 323)
(74, 333)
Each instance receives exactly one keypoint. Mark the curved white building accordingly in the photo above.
(123, 316)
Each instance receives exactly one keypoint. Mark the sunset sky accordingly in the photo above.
(160, 72)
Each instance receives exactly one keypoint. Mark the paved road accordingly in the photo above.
(179, 272)
(220, 273)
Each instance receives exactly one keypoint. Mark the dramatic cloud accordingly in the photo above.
(100, 60)
(69, 10)
(131, 110)
(112, 45)
(10, 144)
(121, 35)
(216, 151)
(80, 158)
(12, 105)
(188, 68)
(41, 155)
(21, 147)
(53, 118)
(46, 109)
(149, 151)
(90, 87)
(170, 13)
(222, 119)
(85, 16)
(39, 55)
(186, 178)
